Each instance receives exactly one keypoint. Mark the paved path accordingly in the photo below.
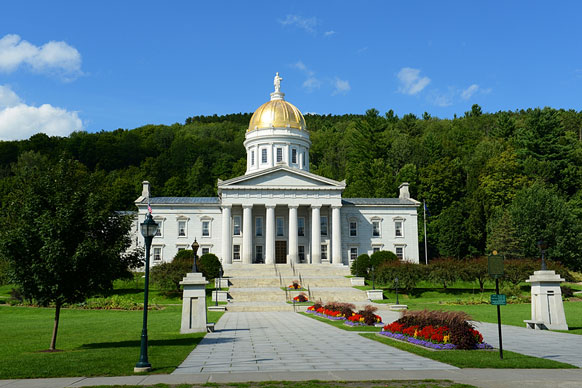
(286, 342)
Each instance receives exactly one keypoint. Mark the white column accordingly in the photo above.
(270, 235)
(336, 237)
(226, 235)
(315, 235)
(293, 257)
(247, 248)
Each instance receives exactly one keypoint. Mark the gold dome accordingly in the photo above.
(277, 113)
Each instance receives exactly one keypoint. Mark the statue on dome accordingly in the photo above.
(277, 83)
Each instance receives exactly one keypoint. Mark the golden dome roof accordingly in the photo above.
(277, 113)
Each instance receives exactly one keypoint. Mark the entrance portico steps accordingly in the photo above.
(257, 287)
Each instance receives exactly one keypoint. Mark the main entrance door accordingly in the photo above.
(280, 252)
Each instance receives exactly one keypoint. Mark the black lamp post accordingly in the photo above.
(195, 247)
(148, 230)
(543, 246)
(373, 273)
(219, 286)
(396, 285)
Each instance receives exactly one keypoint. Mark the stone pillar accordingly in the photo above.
(270, 235)
(315, 235)
(547, 309)
(293, 256)
(336, 237)
(194, 304)
(247, 248)
(226, 235)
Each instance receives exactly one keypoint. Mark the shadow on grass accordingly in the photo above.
(186, 341)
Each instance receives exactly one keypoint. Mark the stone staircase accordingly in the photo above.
(257, 287)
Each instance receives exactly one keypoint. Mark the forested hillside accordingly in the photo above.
(491, 181)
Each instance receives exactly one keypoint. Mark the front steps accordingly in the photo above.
(257, 287)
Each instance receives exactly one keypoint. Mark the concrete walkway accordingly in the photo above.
(287, 342)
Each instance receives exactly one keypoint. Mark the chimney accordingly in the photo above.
(145, 193)
(404, 193)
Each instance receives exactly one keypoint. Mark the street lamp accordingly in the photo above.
(148, 230)
(542, 245)
(220, 286)
(195, 247)
(373, 273)
(396, 284)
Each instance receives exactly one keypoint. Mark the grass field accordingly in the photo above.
(314, 384)
(474, 358)
(93, 342)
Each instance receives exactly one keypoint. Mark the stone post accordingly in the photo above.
(194, 304)
(547, 308)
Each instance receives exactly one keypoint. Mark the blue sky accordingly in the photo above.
(80, 65)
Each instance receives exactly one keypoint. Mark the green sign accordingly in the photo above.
(498, 300)
(495, 266)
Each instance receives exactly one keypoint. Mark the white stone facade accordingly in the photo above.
(279, 212)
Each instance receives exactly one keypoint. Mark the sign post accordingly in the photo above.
(495, 269)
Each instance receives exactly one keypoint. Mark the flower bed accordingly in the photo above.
(343, 311)
(436, 330)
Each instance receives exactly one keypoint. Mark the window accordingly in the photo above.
(160, 226)
(236, 222)
(236, 252)
(301, 226)
(280, 227)
(398, 228)
(259, 254)
(181, 249)
(301, 253)
(303, 159)
(375, 249)
(353, 254)
(259, 226)
(293, 155)
(182, 228)
(400, 252)
(205, 228)
(205, 250)
(264, 155)
(252, 158)
(279, 155)
(353, 228)
(323, 251)
(323, 221)
(376, 228)
(157, 253)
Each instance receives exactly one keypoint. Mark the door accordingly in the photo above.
(280, 252)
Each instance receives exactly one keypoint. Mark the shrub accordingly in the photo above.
(370, 318)
(381, 257)
(167, 276)
(567, 291)
(361, 265)
(475, 270)
(408, 274)
(209, 265)
(445, 271)
(4, 272)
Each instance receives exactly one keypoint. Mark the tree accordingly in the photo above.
(61, 237)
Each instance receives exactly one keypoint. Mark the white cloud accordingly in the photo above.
(52, 57)
(467, 93)
(20, 121)
(329, 33)
(410, 81)
(312, 82)
(307, 24)
(441, 100)
(341, 86)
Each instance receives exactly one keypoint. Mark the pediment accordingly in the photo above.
(281, 177)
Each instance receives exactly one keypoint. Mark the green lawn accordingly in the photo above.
(474, 358)
(314, 384)
(93, 342)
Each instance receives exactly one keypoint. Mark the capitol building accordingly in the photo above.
(278, 211)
